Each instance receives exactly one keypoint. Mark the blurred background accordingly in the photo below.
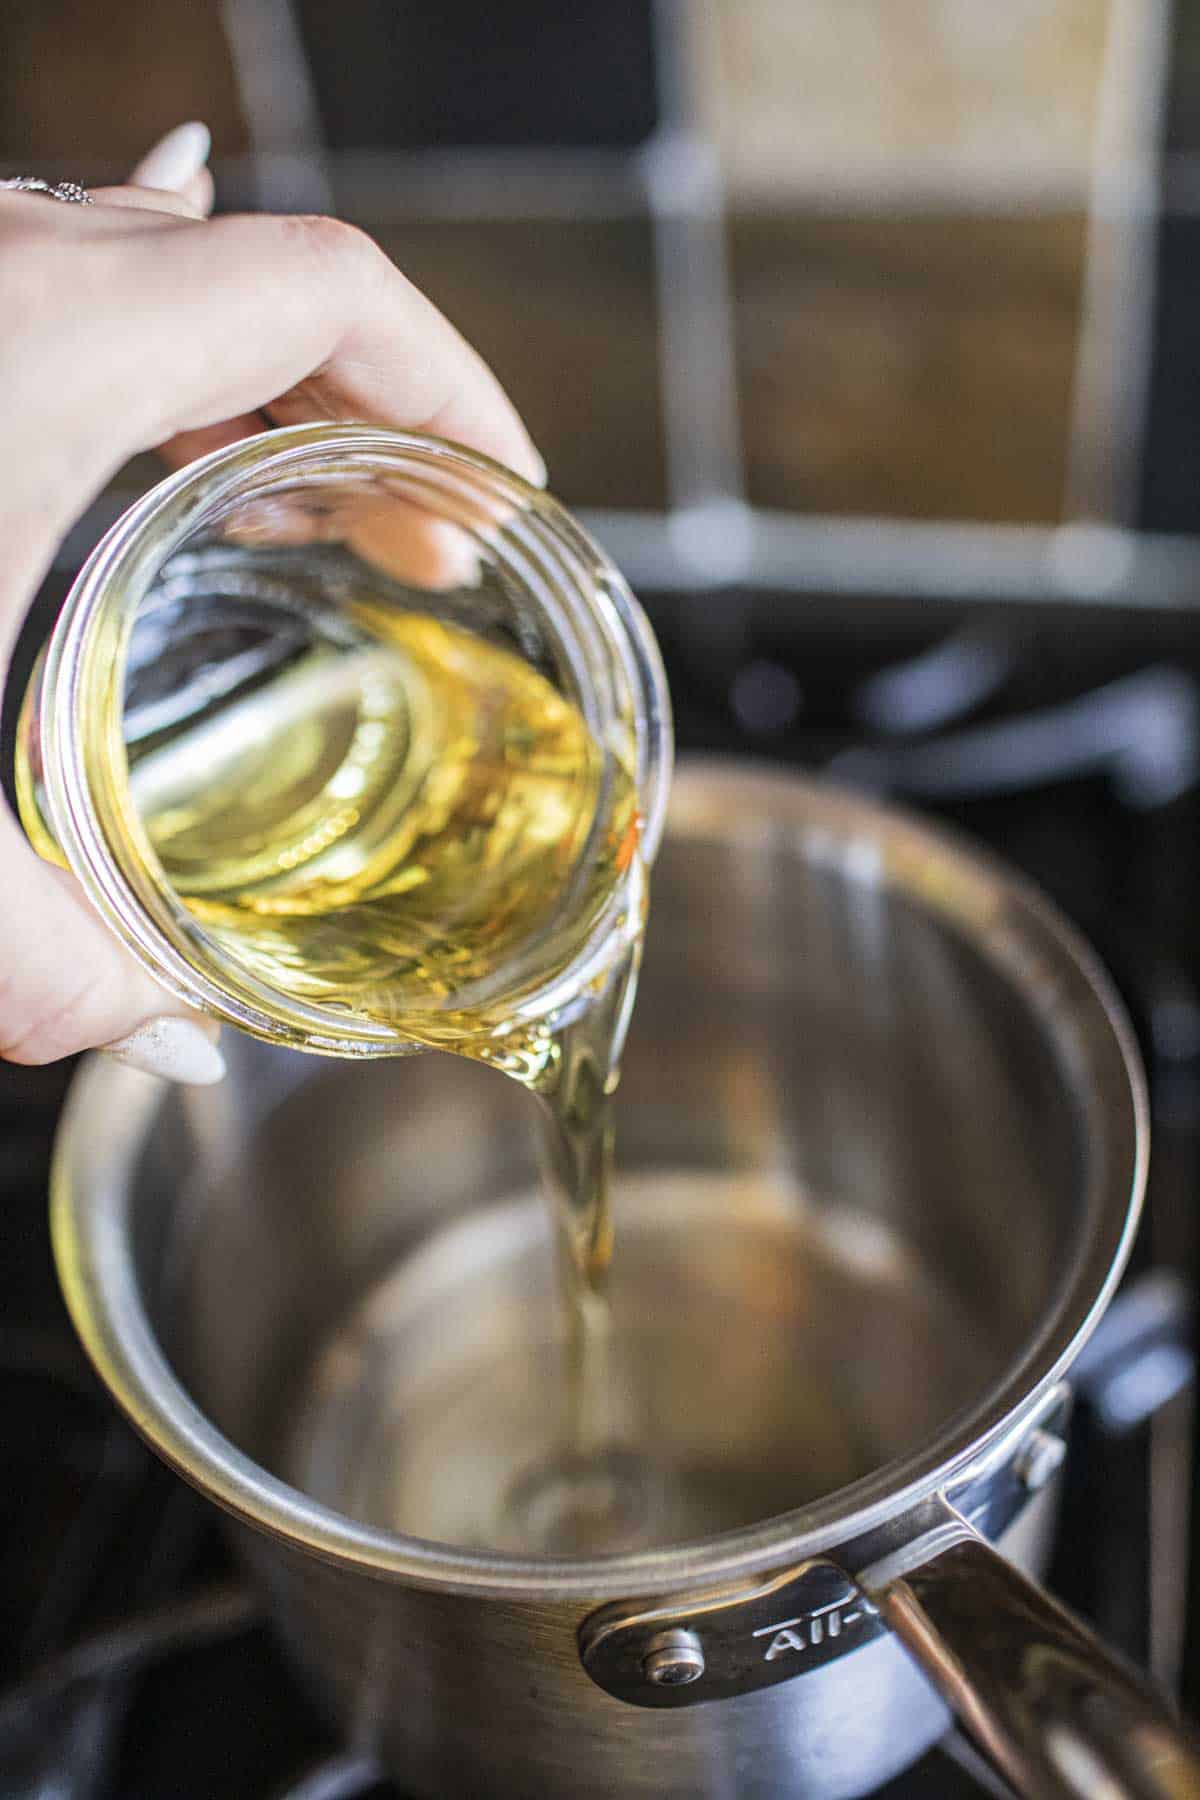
(877, 303)
(865, 334)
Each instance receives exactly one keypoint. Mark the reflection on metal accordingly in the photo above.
(1144, 730)
(939, 686)
(1051, 1707)
(209, 1617)
(1139, 1371)
(1142, 1352)
(347, 1777)
(765, 697)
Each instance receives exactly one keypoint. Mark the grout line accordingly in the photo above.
(543, 183)
(791, 555)
(388, 186)
(1115, 342)
(513, 184)
(279, 103)
(697, 371)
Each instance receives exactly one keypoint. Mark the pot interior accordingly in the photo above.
(862, 1163)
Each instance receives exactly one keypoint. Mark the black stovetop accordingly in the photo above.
(137, 1664)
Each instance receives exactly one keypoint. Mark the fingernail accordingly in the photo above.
(175, 158)
(541, 473)
(176, 1049)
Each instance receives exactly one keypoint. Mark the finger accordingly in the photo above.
(68, 983)
(305, 317)
(177, 162)
(148, 200)
(378, 377)
(409, 543)
(197, 193)
(193, 200)
(172, 177)
(187, 446)
(396, 535)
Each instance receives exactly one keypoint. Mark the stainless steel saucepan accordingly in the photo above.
(882, 1145)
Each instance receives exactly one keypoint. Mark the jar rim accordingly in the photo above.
(595, 605)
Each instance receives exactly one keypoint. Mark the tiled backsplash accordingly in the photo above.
(915, 367)
(89, 83)
(868, 96)
(565, 313)
(905, 180)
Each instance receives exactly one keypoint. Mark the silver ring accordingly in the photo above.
(54, 190)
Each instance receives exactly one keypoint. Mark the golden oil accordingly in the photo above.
(384, 826)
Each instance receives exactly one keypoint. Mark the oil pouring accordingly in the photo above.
(362, 746)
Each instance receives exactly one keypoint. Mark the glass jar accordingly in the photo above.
(235, 613)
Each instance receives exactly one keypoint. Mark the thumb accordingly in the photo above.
(68, 984)
(172, 177)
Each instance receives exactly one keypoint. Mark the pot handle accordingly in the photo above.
(1060, 1715)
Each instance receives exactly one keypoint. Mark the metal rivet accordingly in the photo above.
(673, 1658)
(1038, 1459)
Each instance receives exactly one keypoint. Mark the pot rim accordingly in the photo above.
(1008, 921)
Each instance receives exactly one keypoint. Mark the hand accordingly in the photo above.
(137, 322)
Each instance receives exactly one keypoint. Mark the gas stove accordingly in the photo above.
(136, 1661)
